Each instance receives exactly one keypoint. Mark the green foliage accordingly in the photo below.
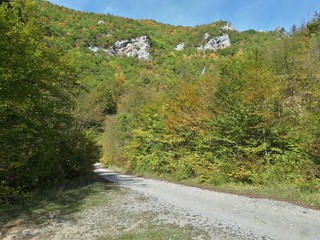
(314, 25)
(148, 151)
(95, 105)
(233, 127)
(41, 143)
(160, 232)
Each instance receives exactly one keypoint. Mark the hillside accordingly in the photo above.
(206, 104)
(172, 51)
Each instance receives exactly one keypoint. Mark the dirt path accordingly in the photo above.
(223, 216)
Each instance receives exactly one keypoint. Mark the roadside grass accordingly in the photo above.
(73, 196)
(145, 231)
(281, 192)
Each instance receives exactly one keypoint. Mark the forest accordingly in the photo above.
(248, 114)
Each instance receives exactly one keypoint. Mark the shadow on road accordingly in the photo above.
(119, 179)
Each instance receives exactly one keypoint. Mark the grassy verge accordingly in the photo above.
(76, 195)
(285, 193)
(281, 192)
(159, 232)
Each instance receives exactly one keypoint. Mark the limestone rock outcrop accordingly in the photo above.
(228, 26)
(216, 43)
(179, 47)
(137, 47)
(94, 49)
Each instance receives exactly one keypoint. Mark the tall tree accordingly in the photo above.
(39, 139)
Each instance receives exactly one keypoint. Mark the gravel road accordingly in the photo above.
(222, 215)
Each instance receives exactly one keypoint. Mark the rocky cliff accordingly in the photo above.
(216, 43)
(137, 47)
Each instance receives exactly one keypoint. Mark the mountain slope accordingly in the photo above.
(94, 36)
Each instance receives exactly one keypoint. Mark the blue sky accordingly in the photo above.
(244, 14)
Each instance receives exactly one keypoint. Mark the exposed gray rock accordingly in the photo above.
(94, 49)
(217, 43)
(203, 71)
(179, 47)
(137, 47)
(101, 21)
(206, 35)
(228, 26)
(109, 52)
(281, 32)
(121, 44)
(279, 29)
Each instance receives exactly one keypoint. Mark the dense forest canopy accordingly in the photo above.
(245, 112)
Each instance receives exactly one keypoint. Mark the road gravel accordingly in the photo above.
(222, 215)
